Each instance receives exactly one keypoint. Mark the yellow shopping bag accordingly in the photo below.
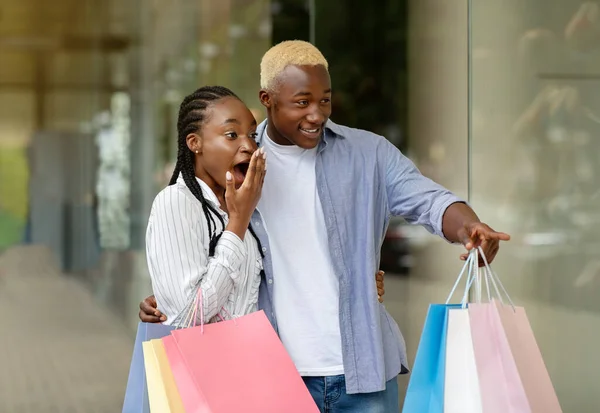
(162, 390)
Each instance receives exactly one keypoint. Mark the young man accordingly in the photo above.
(326, 201)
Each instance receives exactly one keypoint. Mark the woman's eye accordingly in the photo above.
(303, 102)
(231, 135)
(254, 136)
(326, 100)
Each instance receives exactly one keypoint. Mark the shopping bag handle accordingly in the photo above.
(474, 277)
(192, 315)
(469, 264)
(198, 303)
(492, 277)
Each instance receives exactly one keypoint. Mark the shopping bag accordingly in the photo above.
(162, 391)
(461, 384)
(192, 399)
(237, 365)
(157, 397)
(425, 393)
(515, 337)
(501, 388)
(136, 394)
(528, 358)
(175, 402)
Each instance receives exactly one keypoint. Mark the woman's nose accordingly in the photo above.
(248, 145)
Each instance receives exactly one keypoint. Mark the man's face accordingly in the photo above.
(299, 106)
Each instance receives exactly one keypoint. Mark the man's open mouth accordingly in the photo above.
(310, 130)
(311, 133)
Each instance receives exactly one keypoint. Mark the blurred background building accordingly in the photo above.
(497, 100)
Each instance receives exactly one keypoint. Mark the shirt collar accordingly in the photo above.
(209, 195)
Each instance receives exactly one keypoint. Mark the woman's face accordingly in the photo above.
(225, 142)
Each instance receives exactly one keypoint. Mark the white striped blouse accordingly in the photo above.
(177, 244)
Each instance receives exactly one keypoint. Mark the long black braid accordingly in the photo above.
(192, 114)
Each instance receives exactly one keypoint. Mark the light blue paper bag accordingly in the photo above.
(425, 393)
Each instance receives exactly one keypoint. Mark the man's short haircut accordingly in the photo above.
(284, 54)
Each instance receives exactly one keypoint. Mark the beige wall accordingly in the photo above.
(438, 145)
(438, 90)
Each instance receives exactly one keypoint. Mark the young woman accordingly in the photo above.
(199, 235)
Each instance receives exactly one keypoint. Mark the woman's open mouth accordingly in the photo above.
(239, 172)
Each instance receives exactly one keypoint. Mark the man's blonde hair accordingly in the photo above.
(284, 54)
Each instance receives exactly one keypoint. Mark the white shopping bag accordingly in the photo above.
(461, 384)
(461, 381)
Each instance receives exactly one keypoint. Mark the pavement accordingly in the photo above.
(63, 351)
(60, 349)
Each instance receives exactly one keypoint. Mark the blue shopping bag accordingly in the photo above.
(425, 393)
(136, 395)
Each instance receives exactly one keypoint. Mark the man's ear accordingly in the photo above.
(265, 98)
(194, 142)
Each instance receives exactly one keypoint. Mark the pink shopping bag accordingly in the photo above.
(236, 365)
(192, 399)
(500, 384)
(528, 358)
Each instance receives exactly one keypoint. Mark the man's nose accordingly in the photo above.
(316, 116)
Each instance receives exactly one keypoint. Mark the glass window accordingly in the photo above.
(535, 162)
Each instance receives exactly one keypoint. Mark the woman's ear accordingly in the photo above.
(194, 142)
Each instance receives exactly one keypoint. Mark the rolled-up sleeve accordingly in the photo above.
(411, 195)
(177, 253)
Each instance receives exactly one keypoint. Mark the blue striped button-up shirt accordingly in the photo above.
(362, 181)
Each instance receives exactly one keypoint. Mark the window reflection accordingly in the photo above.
(535, 162)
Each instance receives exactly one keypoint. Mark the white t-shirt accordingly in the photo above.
(306, 289)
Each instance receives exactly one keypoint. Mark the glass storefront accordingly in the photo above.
(535, 164)
(88, 121)
(496, 100)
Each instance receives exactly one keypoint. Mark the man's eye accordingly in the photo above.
(254, 136)
(303, 102)
(326, 100)
(231, 135)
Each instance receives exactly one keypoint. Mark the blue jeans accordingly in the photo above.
(330, 395)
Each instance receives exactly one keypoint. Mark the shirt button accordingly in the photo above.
(257, 223)
(270, 281)
(264, 249)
